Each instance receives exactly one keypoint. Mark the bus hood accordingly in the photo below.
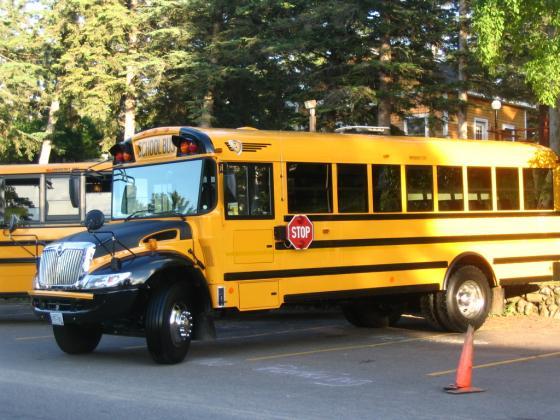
(130, 234)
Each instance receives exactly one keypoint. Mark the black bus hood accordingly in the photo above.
(128, 234)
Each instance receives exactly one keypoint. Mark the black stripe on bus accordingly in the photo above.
(415, 216)
(17, 260)
(329, 271)
(22, 243)
(524, 280)
(358, 293)
(422, 240)
(532, 258)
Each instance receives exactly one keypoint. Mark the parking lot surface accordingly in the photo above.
(286, 365)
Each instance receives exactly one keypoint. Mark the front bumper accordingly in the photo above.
(85, 308)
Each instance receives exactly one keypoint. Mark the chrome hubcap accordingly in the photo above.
(470, 300)
(180, 323)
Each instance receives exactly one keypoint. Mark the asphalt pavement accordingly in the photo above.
(285, 365)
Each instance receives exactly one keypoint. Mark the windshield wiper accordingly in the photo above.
(135, 213)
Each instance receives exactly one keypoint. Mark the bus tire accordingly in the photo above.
(428, 310)
(169, 324)
(77, 339)
(467, 300)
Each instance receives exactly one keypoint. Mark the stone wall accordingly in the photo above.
(534, 299)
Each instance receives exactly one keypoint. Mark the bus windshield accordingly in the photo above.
(185, 188)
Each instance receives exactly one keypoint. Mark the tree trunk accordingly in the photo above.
(461, 73)
(207, 111)
(554, 127)
(130, 95)
(384, 101)
(46, 146)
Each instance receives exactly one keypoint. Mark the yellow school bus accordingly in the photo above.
(207, 220)
(36, 208)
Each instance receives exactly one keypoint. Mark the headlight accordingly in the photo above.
(101, 281)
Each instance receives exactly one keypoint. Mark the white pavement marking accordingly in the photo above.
(317, 377)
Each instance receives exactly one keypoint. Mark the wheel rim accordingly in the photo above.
(470, 299)
(180, 323)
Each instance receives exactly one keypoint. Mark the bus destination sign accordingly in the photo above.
(155, 147)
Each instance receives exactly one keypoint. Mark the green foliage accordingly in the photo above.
(526, 33)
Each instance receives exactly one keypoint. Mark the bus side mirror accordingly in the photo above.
(74, 188)
(94, 220)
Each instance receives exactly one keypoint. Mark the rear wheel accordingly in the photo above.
(169, 324)
(77, 339)
(466, 301)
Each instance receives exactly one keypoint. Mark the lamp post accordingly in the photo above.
(311, 105)
(496, 105)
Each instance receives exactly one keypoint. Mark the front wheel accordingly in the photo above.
(467, 300)
(169, 324)
(77, 339)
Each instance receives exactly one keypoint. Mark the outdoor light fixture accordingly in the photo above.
(496, 105)
(311, 105)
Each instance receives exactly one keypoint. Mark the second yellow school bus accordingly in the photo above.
(35, 200)
(207, 220)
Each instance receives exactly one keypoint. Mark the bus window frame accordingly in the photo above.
(65, 219)
(41, 204)
(272, 216)
(167, 162)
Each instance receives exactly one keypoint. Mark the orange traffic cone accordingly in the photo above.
(463, 379)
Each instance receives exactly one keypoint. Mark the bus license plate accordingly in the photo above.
(57, 318)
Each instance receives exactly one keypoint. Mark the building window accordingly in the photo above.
(417, 125)
(419, 188)
(309, 188)
(508, 132)
(386, 188)
(450, 188)
(352, 188)
(480, 129)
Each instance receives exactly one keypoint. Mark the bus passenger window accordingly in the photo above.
(352, 188)
(386, 188)
(309, 188)
(98, 194)
(450, 188)
(537, 186)
(419, 188)
(480, 188)
(248, 190)
(507, 185)
(59, 207)
(21, 197)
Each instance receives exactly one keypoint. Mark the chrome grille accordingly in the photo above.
(63, 264)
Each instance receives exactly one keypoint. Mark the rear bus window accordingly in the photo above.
(537, 187)
(480, 188)
(386, 188)
(507, 185)
(248, 190)
(450, 188)
(419, 188)
(352, 188)
(309, 188)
